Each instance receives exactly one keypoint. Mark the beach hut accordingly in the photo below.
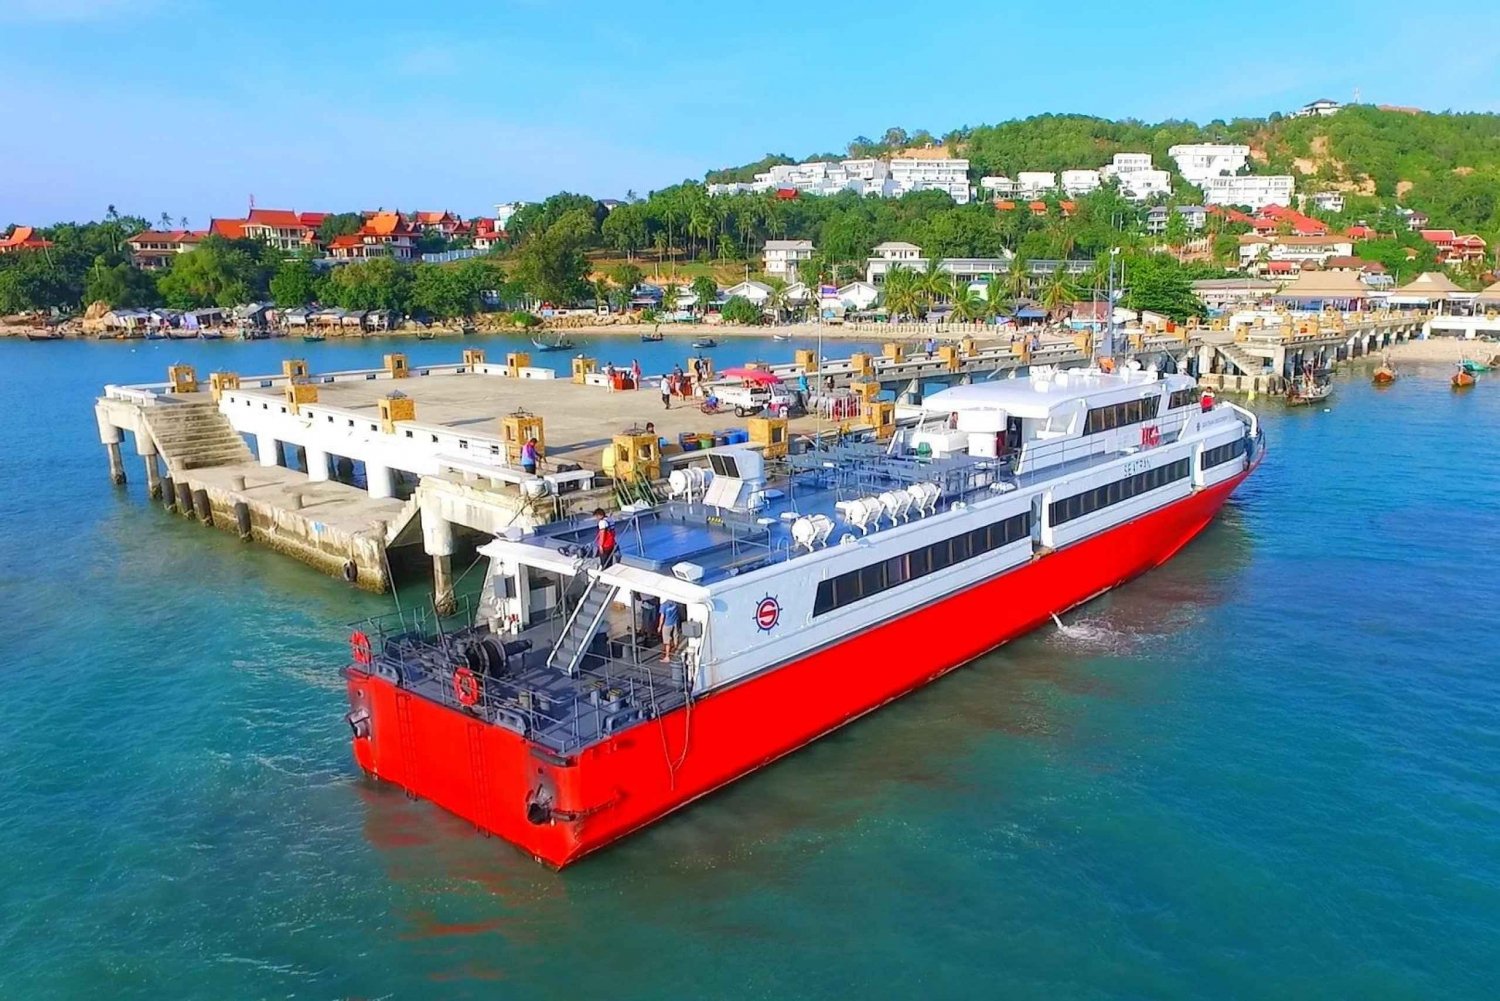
(297, 316)
(1488, 298)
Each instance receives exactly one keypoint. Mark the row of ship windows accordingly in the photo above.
(866, 582)
(1224, 453)
(1069, 508)
(1118, 415)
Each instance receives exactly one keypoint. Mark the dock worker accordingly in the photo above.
(670, 628)
(666, 392)
(529, 456)
(604, 540)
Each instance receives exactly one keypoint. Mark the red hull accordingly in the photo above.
(485, 773)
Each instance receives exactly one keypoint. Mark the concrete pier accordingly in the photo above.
(153, 475)
(116, 463)
(436, 447)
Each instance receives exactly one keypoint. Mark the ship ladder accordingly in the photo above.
(408, 741)
(481, 777)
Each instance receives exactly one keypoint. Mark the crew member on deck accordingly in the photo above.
(671, 628)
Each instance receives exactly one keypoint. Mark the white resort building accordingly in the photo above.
(1197, 162)
(783, 256)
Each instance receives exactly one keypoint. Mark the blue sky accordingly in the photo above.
(191, 106)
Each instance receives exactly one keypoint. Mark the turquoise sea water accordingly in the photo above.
(1266, 770)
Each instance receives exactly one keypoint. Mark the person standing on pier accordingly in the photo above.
(666, 392)
(635, 373)
(529, 456)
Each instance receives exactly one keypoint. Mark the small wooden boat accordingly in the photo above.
(781, 337)
(426, 335)
(1308, 390)
(156, 335)
(314, 338)
(652, 338)
(183, 335)
(561, 344)
(210, 335)
(1473, 367)
(705, 342)
(1384, 375)
(468, 329)
(1463, 378)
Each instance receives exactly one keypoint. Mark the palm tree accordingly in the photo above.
(669, 297)
(934, 285)
(967, 307)
(601, 291)
(900, 294)
(1058, 292)
(1018, 278)
(777, 300)
(996, 300)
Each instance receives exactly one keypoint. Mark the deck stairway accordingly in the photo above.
(193, 436)
(1244, 361)
(567, 656)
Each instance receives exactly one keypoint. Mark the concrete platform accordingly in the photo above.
(578, 420)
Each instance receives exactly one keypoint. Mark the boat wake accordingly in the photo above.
(1098, 636)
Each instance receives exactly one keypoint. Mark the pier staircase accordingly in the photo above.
(1245, 362)
(588, 615)
(194, 435)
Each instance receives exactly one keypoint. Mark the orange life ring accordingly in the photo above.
(359, 646)
(465, 686)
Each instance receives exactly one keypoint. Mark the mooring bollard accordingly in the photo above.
(237, 483)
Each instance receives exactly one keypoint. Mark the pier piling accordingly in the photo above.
(184, 500)
(153, 475)
(168, 493)
(116, 463)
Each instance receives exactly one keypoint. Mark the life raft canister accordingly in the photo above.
(359, 646)
(465, 686)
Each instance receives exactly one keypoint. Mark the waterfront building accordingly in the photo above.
(783, 256)
(384, 234)
(1198, 162)
(1253, 190)
(891, 255)
(1225, 294)
(1031, 183)
(1080, 182)
(1256, 251)
(23, 238)
(152, 250)
(280, 228)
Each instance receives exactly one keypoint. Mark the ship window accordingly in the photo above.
(866, 582)
(1223, 453)
(1071, 508)
(1182, 398)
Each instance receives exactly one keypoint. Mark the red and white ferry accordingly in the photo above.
(851, 576)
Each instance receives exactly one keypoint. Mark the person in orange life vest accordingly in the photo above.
(604, 541)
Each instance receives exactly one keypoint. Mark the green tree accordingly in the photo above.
(670, 296)
(442, 292)
(965, 305)
(705, 289)
(1058, 293)
(1160, 284)
(339, 224)
(294, 283)
(626, 276)
(550, 263)
(121, 286)
(901, 293)
(742, 311)
(379, 283)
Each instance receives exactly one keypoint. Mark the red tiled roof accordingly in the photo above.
(1472, 240)
(1035, 206)
(1004, 205)
(786, 194)
(1438, 235)
(386, 224)
(346, 241)
(229, 229)
(1280, 267)
(279, 218)
(158, 236)
(24, 238)
(1359, 232)
(432, 218)
(312, 220)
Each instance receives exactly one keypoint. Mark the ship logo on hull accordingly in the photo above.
(767, 614)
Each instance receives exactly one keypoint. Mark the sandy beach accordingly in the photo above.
(1442, 349)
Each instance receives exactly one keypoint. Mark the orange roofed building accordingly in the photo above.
(23, 238)
(384, 234)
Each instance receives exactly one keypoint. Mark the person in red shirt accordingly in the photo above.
(604, 541)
